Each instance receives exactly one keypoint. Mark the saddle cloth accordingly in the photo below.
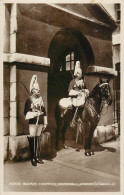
(65, 103)
(68, 102)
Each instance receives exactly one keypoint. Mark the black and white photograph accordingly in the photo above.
(61, 65)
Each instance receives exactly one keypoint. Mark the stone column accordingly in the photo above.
(13, 103)
(13, 91)
(13, 28)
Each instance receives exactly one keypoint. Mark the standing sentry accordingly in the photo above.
(35, 112)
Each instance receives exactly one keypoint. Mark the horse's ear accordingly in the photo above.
(100, 80)
(108, 80)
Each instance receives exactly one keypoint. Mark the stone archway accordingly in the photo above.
(65, 41)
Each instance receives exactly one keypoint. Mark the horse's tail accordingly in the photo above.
(58, 122)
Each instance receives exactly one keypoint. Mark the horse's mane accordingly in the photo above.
(94, 91)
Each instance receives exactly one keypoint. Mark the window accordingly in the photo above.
(69, 62)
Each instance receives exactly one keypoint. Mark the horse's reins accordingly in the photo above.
(90, 103)
(102, 106)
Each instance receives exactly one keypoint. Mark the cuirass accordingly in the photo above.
(36, 103)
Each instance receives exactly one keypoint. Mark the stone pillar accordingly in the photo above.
(13, 91)
(13, 103)
(2, 16)
(13, 28)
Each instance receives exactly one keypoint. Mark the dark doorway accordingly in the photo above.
(67, 47)
(58, 88)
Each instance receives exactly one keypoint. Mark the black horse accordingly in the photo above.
(90, 114)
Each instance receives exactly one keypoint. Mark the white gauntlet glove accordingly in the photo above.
(45, 122)
(30, 115)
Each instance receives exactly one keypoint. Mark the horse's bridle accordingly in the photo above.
(91, 102)
(103, 84)
(100, 85)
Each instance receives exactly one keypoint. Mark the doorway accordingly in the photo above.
(67, 47)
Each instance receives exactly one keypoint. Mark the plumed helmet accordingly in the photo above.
(77, 68)
(34, 84)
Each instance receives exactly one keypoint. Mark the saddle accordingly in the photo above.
(65, 103)
(68, 103)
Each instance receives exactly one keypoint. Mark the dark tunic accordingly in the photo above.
(30, 107)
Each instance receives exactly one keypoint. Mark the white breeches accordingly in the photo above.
(35, 130)
(68, 102)
(78, 102)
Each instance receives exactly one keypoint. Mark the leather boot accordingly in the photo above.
(38, 160)
(32, 150)
(73, 122)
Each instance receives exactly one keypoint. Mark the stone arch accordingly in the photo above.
(67, 40)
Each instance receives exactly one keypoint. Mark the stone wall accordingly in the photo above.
(6, 34)
(102, 48)
(35, 35)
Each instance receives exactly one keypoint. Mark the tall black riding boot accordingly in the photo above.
(32, 150)
(73, 122)
(38, 160)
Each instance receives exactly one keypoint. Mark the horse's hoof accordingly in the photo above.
(92, 153)
(87, 154)
(65, 147)
(77, 150)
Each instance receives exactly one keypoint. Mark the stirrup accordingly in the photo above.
(73, 124)
(63, 114)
